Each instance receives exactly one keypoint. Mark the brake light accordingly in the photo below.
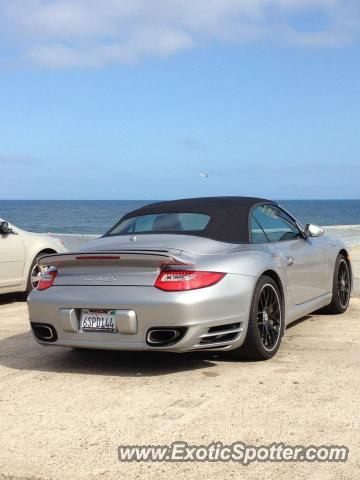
(98, 257)
(177, 280)
(47, 279)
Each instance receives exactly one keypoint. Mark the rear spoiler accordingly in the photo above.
(117, 258)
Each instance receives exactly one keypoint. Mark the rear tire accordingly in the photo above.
(341, 287)
(266, 322)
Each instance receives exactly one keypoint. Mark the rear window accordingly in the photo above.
(162, 223)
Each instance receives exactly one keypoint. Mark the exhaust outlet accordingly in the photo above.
(44, 332)
(161, 337)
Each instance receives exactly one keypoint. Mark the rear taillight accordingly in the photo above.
(47, 279)
(177, 280)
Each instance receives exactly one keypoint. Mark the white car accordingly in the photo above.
(19, 254)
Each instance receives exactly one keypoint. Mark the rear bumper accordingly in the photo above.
(223, 304)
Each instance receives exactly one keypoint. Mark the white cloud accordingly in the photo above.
(69, 33)
(142, 42)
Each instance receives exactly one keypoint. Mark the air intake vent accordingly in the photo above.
(221, 333)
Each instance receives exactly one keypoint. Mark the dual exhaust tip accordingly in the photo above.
(164, 336)
(155, 337)
(44, 332)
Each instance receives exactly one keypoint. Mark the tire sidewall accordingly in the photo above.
(253, 329)
(335, 298)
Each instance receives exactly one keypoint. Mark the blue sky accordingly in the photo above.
(133, 100)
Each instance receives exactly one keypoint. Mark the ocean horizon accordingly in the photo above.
(97, 216)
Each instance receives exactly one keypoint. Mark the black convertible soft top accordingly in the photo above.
(229, 216)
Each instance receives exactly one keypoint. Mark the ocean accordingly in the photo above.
(97, 216)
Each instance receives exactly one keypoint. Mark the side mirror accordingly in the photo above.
(5, 228)
(312, 230)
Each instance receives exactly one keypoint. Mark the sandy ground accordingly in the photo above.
(355, 260)
(63, 413)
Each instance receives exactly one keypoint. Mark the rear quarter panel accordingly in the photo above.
(250, 260)
(333, 248)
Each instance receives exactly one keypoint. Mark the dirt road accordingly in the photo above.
(63, 413)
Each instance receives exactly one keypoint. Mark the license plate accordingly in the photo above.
(98, 321)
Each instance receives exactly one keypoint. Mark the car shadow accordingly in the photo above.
(21, 352)
(6, 298)
(311, 317)
(298, 321)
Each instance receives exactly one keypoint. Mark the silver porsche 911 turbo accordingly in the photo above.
(220, 273)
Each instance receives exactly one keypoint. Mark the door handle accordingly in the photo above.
(289, 261)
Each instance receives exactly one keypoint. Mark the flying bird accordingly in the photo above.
(204, 174)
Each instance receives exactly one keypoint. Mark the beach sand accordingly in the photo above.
(63, 413)
(355, 261)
